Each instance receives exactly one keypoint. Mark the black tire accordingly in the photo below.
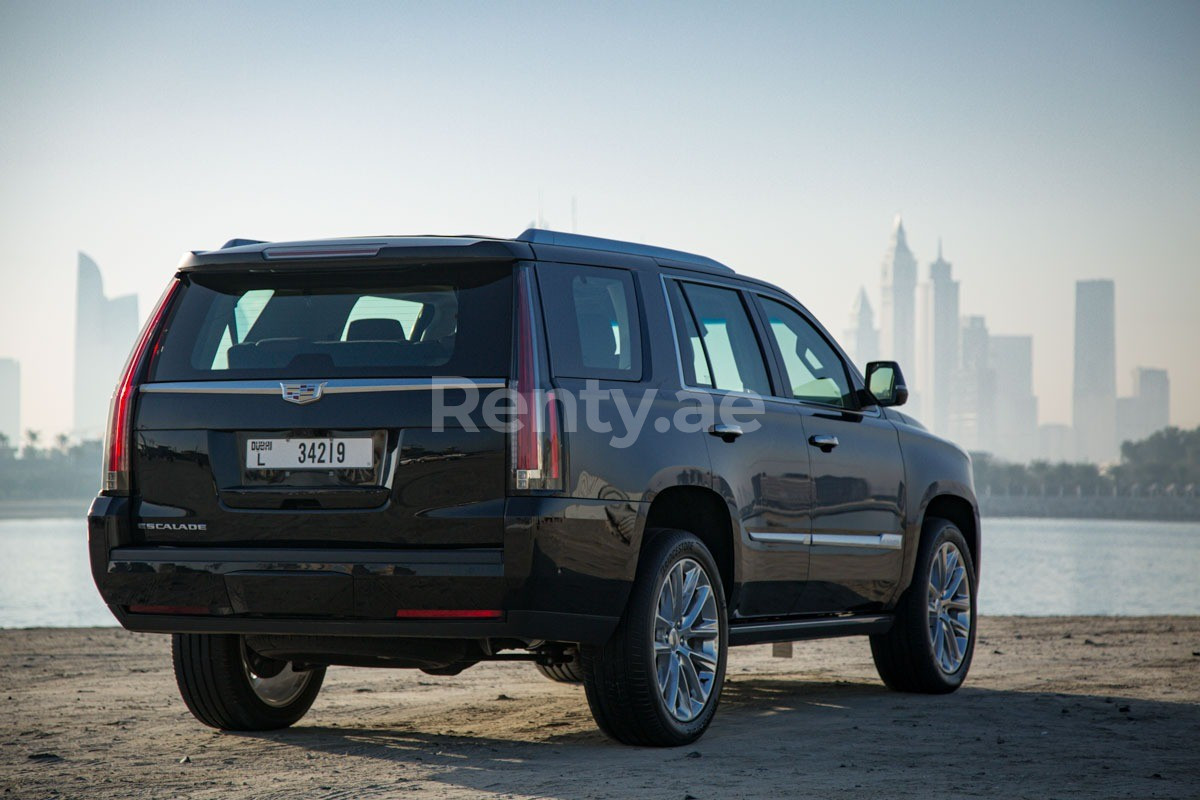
(620, 676)
(904, 656)
(569, 672)
(211, 673)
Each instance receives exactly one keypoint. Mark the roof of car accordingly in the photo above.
(249, 253)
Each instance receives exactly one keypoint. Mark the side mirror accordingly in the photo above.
(885, 382)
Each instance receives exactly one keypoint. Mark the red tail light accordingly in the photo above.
(537, 444)
(169, 609)
(118, 440)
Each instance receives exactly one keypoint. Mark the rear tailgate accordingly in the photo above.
(344, 365)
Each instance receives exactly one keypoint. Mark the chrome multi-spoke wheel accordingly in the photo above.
(276, 686)
(686, 639)
(949, 607)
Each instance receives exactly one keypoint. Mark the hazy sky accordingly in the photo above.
(1044, 142)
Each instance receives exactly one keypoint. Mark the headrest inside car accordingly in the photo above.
(376, 330)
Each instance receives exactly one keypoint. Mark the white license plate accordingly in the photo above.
(324, 453)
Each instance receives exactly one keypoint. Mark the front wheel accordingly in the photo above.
(657, 681)
(930, 645)
(227, 685)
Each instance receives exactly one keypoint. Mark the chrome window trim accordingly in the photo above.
(772, 537)
(331, 386)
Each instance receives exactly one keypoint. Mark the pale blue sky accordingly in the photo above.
(1044, 142)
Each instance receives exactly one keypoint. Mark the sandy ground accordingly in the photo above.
(1065, 707)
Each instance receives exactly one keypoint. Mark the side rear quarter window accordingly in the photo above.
(594, 328)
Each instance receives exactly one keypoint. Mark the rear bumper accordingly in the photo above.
(545, 583)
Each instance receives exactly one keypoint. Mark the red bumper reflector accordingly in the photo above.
(168, 609)
(448, 613)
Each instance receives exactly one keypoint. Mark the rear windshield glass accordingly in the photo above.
(449, 321)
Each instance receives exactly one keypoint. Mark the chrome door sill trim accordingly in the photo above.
(881, 541)
(764, 537)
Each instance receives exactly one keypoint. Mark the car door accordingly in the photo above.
(857, 469)
(761, 466)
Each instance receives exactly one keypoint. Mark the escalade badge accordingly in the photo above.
(302, 392)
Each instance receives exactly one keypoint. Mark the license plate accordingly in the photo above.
(322, 453)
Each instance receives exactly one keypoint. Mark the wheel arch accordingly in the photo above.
(702, 512)
(960, 511)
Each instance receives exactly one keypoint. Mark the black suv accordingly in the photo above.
(613, 460)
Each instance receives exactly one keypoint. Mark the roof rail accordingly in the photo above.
(240, 243)
(542, 236)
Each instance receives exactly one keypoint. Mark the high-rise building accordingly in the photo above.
(105, 329)
(1095, 386)
(972, 399)
(1148, 410)
(1055, 443)
(939, 342)
(10, 401)
(1015, 423)
(862, 338)
(898, 313)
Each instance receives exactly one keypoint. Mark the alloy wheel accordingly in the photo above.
(686, 639)
(949, 608)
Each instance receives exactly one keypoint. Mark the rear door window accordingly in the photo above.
(452, 321)
(594, 327)
(725, 352)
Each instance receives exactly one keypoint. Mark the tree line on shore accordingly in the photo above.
(1166, 463)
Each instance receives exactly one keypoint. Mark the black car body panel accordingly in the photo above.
(811, 543)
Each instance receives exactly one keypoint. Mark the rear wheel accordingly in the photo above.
(657, 681)
(930, 646)
(228, 686)
(567, 672)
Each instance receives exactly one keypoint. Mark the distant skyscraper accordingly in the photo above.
(1148, 410)
(10, 401)
(1015, 428)
(939, 342)
(1154, 387)
(972, 398)
(862, 338)
(1055, 443)
(1095, 387)
(898, 314)
(104, 332)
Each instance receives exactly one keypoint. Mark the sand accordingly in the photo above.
(1054, 707)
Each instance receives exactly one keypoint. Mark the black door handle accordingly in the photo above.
(728, 433)
(823, 441)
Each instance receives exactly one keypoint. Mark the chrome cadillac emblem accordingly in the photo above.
(302, 392)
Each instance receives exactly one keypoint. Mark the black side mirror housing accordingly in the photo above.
(885, 383)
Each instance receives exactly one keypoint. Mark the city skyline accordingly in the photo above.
(976, 387)
(780, 139)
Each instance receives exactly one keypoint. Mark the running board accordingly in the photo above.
(795, 630)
